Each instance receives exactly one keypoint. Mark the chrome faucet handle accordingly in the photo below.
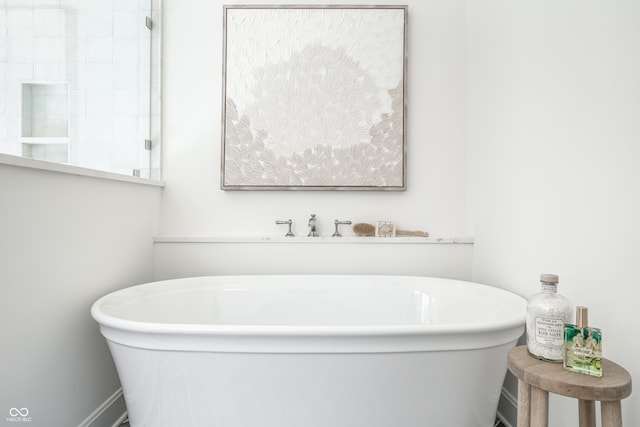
(337, 223)
(289, 233)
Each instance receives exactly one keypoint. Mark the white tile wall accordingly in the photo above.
(21, 2)
(99, 101)
(127, 24)
(99, 76)
(99, 23)
(125, 102)
(3, 48)
(50, 71)
(19, 22)
(3, 35)
(125, 74)
(100, 6)
(98, 47)
(17, 72)
(98, 142)
(125, 128)
(46, 22)
(48, 50)
(129, 5)
(20, 49)
(126, 49)
(3, 100)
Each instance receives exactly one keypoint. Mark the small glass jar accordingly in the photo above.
(547, 313)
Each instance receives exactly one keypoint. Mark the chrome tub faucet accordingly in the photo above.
(289, 233)
(337, 223)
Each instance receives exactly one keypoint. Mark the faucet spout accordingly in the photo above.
(313, 226)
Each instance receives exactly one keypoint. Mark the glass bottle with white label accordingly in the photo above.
(547, 313)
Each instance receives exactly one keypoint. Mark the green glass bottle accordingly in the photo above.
(583, 346)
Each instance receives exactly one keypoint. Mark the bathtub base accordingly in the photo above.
(412, 389)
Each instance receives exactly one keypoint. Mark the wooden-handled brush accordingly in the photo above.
(364, 229)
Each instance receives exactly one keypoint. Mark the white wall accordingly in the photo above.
(554, 136)
(66, 241)
(193, 203)
(327, 256)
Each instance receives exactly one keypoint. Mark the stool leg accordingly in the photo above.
(539, 407)
(587, 410)
(524, 404)
(611, 414)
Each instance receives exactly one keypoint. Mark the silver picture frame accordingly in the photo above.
(314, 97)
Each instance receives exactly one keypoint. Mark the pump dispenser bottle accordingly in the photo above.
(547, 313)
(583, 346)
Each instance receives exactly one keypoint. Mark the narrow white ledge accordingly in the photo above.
(11, 160)
(466, 240)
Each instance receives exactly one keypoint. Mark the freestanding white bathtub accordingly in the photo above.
(311, 351)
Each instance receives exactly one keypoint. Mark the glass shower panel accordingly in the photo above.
(76, 83)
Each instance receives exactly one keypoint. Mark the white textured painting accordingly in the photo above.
(314, 98)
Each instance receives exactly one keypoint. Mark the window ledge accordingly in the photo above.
(8, 159)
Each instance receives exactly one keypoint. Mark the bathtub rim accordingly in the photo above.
(307, 338)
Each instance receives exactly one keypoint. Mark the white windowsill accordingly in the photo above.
(8, 159)
(467, 240)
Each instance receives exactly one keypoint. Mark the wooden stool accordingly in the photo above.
(536, 379)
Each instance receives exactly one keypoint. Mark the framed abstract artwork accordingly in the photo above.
(314, 98)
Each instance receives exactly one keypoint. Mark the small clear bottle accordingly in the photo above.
(547, 313)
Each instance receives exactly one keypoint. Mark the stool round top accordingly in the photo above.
(615, 383)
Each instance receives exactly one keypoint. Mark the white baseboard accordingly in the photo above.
(504, 422)
(508, 408)
(110, 414)
(120, 420)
